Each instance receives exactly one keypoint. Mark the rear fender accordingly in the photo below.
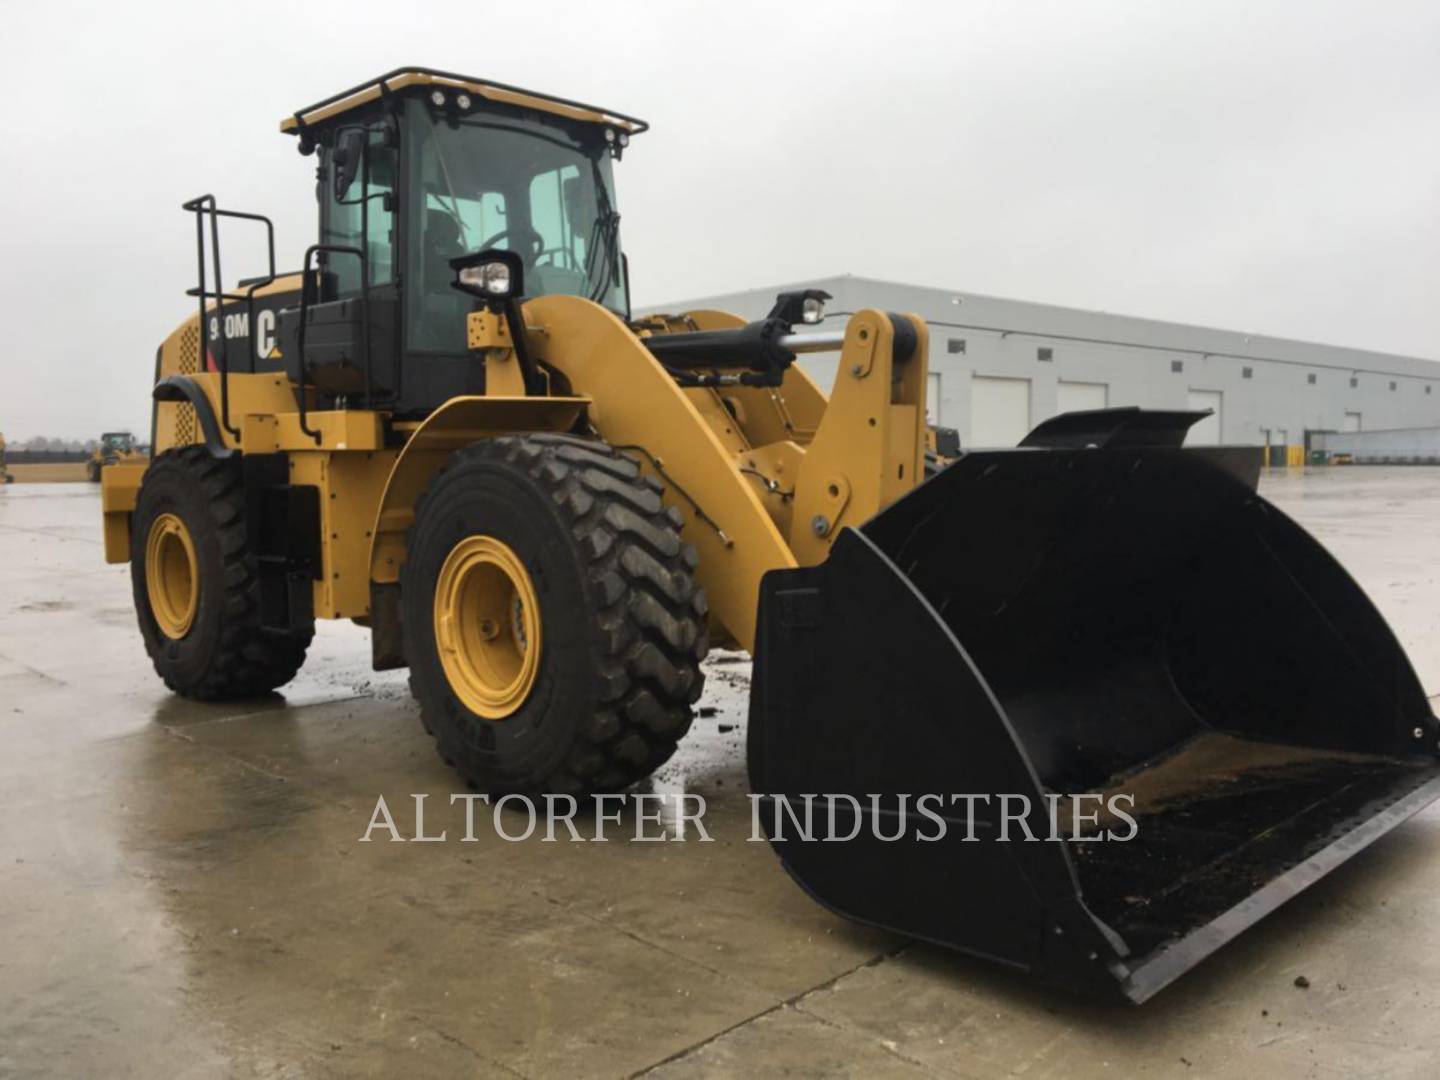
(119, 489)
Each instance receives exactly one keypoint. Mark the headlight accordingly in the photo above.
(463, 100)
(495, 274)
(492, 278)
(800, 306)
(437, 98)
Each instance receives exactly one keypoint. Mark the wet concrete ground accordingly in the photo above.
(182, 892)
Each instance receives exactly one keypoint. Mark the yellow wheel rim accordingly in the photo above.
(172, 575)
(487, 626)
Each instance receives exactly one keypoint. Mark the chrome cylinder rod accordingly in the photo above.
(829, 341)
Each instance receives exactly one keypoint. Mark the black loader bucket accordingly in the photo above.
(1101, 621)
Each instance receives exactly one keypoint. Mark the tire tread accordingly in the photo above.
(648, 611)
(250, 660)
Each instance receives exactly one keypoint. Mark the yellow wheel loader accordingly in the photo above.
(114, 448)
(449, 428)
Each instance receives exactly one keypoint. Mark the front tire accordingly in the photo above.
(196, 584)
(551, 618)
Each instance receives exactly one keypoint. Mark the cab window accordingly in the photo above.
(361, 218)
(487, 181)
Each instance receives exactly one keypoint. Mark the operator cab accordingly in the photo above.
(419, 168)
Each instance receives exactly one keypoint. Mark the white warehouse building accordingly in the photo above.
(998, 367)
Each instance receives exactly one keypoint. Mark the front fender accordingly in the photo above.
(455, 425)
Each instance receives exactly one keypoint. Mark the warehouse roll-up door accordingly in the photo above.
(1206, 432)
(1279, 447)
(1352, 422)
(1082, 396)
(999, 411)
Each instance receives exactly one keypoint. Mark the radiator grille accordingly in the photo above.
(189, 365)
(190, 350)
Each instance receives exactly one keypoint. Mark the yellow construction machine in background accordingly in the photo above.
(114, 448)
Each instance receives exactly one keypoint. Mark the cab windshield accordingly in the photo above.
(485, 181)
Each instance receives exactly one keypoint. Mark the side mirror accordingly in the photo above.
(345, 160)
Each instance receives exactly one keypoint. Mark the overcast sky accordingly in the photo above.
(1271, 167)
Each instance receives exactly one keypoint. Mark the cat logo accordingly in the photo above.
(265, 348)
(237, 325)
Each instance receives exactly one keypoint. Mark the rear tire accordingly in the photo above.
(202, 626)
(618, 637)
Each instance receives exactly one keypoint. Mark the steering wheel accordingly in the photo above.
(523, 233)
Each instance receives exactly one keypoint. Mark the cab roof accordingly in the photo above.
(405, 77)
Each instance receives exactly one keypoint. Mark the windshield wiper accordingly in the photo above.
(603, 237)
(607, 230)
